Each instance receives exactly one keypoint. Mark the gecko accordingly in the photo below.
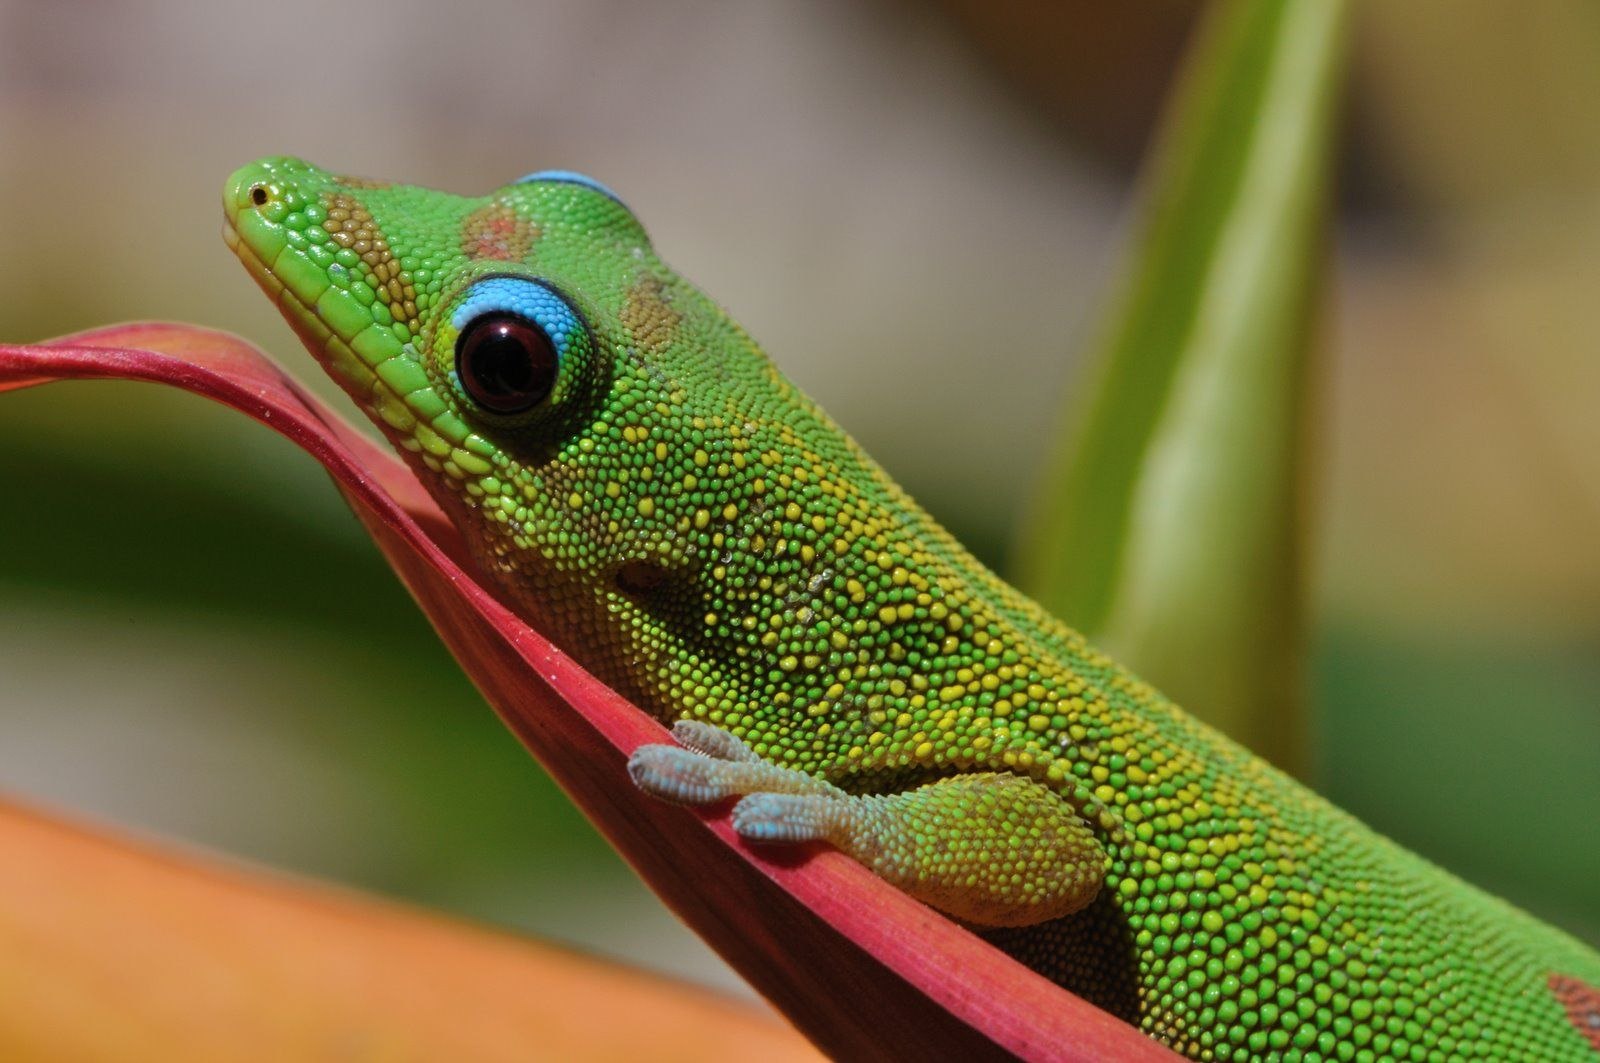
(643, 484)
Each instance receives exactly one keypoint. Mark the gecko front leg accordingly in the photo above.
(990, 848)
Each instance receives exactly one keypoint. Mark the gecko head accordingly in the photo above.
(603, 433)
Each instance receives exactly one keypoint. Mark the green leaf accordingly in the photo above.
(1167, 523)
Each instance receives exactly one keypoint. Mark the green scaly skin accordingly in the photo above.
(698, 533)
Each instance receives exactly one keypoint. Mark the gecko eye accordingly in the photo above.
(506, 363)
(522, 357)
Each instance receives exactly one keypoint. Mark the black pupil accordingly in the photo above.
(506, 363)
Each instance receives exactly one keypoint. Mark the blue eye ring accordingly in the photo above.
(572, 177)
(516, 343)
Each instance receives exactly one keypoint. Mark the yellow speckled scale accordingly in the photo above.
(652, 492)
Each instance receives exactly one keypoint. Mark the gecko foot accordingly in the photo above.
(991, 848)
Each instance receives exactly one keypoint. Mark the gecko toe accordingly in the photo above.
(677, 775)
(783, 819)
(712, 741)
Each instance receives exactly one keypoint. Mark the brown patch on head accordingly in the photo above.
(362, 182)
(649, 316)
(499, 233)
(352, 227)
(1582, 1002)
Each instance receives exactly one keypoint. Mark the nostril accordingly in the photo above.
(259, 195)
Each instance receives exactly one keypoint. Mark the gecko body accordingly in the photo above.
(648, 488)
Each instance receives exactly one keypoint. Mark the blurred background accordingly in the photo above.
(917, 209)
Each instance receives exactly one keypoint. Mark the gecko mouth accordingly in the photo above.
(301, 317)
(353, 376)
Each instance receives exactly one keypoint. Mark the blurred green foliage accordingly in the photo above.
(1477, 752)
(1168, 524)
(171, 510)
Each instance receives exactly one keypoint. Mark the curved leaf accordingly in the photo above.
(1167, 525)
(814, 932)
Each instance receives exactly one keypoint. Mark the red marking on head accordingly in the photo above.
(498, 233)
(1582, 1002)
(495, 238)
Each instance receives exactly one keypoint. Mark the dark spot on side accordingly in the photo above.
(637, 577)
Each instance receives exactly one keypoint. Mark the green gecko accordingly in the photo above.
(646, 487)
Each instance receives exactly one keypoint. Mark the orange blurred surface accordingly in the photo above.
(113, 951)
